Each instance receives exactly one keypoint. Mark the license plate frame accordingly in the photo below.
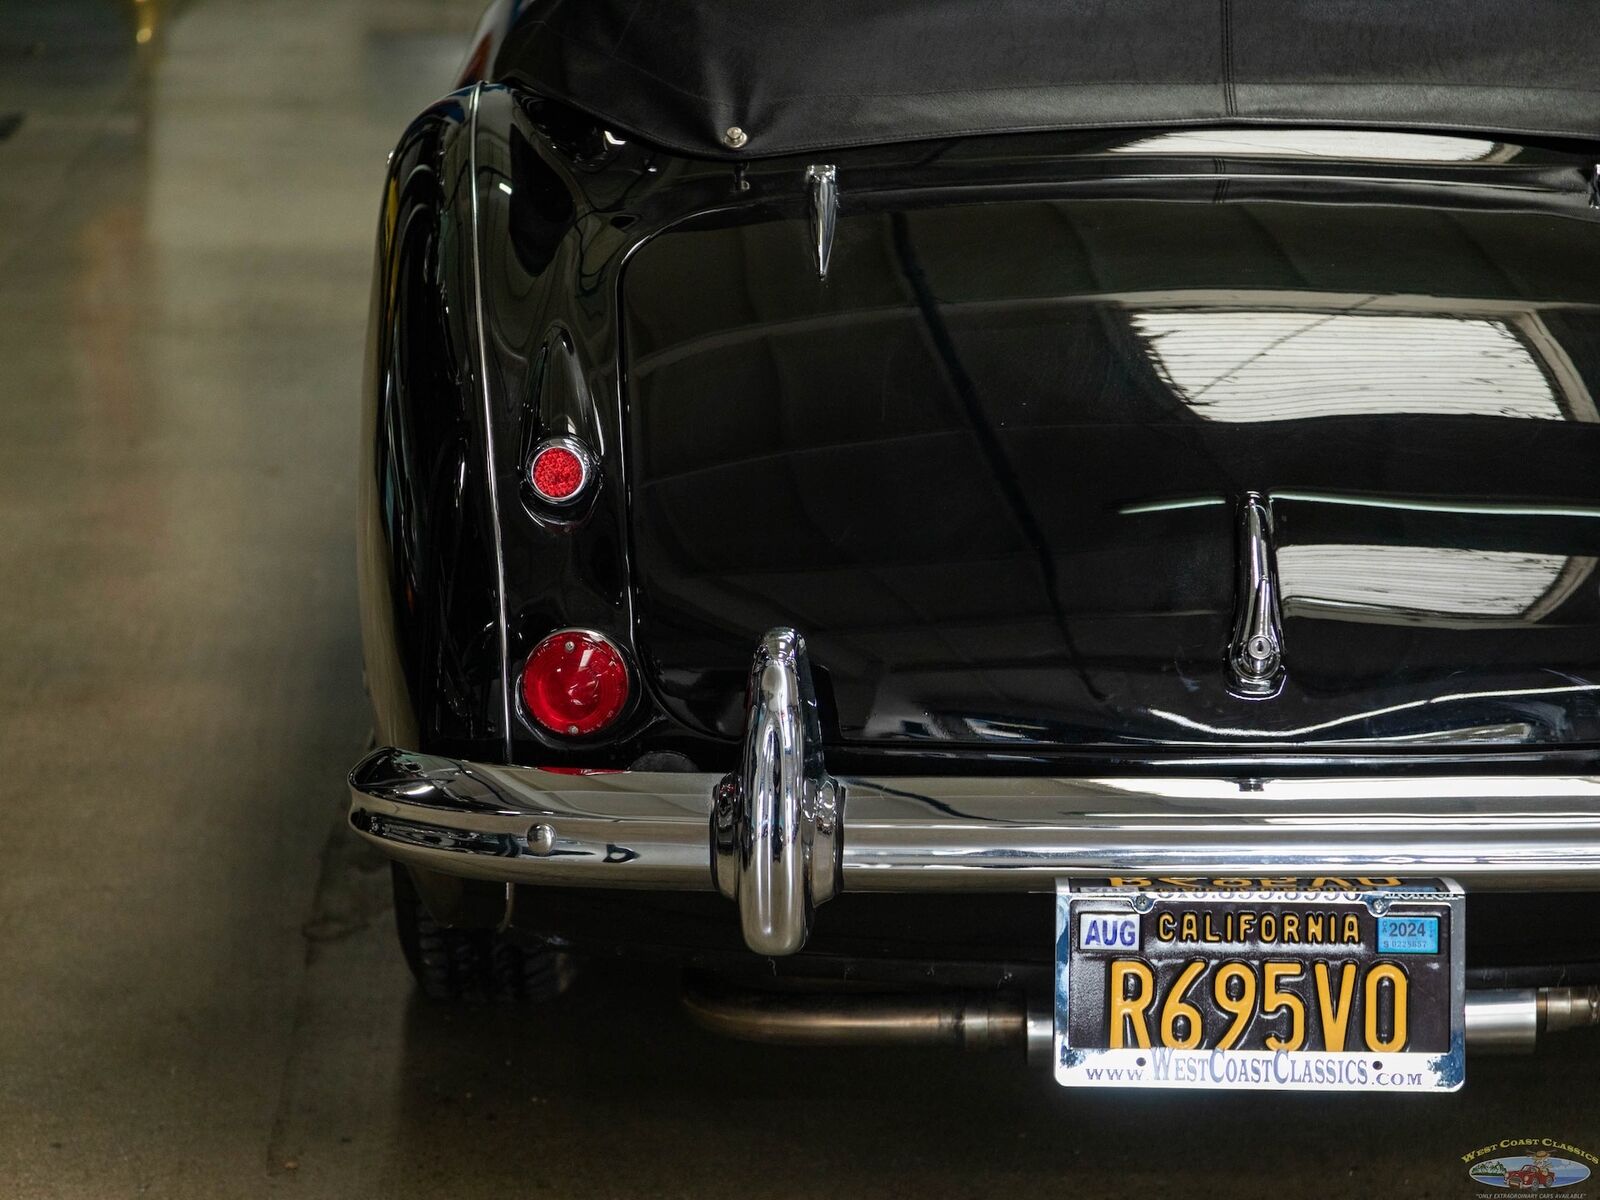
(1431, 1059)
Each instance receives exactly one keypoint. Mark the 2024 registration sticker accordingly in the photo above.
(1326, 984)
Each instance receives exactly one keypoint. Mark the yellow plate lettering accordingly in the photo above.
(1335, 1017)
(1176, 1007)
(1130, 1009)
(1396, 1041)
(1274, 998)
(1242, 1007)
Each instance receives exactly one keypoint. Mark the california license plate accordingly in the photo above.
(1348, 984)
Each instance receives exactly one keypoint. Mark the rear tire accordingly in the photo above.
(451, 964)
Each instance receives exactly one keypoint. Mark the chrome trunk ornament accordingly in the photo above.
(775, 821)
(1255, 656)
(824, 182)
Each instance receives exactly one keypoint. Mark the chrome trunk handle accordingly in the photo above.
(1255, 655)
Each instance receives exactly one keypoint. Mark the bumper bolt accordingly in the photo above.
(541, 840)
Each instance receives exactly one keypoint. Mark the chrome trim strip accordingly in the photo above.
(524, 825)
(488, 429)
(943, 834)
(1255, 655)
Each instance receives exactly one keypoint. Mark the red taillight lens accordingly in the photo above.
(559, 471)
(575, 682)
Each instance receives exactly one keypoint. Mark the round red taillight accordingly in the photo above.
(575, 682)
(559, 470)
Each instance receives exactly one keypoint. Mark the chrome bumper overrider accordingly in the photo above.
(780, 835)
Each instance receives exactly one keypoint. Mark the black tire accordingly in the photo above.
(452, 964)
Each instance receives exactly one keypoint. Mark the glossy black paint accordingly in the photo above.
(426, 535)
(924, 462)
(991, 467)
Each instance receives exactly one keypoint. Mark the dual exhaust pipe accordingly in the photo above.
(1499, 1021)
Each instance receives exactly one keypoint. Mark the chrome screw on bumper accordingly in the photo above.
(776, 819)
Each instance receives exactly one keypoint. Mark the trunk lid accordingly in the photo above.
(991, 469)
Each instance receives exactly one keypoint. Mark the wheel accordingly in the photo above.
(472, 964)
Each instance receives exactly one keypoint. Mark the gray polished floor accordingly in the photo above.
(199, 991)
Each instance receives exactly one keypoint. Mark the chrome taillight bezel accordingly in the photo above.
(586, 467)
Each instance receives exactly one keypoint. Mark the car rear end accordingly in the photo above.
(1028, 536)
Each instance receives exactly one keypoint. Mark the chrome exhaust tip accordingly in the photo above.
(970, 1020)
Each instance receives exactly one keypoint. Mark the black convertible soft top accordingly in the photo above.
(791, 75)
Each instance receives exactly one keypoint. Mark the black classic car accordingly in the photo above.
(1053, 525)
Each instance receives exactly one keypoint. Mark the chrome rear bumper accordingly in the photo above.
(780, 835)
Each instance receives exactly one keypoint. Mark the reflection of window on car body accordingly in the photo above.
(1402, 584)
(1367, 144)
(1285, 365)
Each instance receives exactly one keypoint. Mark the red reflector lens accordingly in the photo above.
(558, 472)
(575, 683)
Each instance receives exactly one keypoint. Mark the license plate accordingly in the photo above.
(1350, 984)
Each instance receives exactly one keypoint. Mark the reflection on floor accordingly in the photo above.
(199, 991)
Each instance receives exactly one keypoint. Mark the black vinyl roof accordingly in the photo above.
(796, 75)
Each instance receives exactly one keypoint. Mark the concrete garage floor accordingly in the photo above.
(200, 995)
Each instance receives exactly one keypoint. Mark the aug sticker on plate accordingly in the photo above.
(1349, 984)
